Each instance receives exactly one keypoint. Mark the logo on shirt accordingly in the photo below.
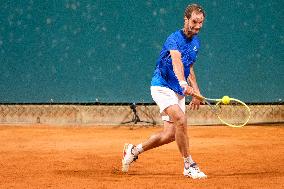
(195, 48)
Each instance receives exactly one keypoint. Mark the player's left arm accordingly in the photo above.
(192, 80)
(194, 104)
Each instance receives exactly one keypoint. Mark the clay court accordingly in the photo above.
(47, 156)
(75, 86)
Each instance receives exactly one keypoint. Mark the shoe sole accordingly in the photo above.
(125, 166)
(203, 177)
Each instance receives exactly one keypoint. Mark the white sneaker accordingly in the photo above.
(194, 172)
(128, 156)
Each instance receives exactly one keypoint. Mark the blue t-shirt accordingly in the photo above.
(164, 75)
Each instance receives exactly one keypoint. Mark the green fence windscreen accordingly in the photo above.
(105, 51)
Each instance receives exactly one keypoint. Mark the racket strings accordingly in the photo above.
(235, 114)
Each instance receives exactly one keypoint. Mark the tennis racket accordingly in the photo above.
(229, 111)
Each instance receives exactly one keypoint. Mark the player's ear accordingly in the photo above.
(185, 20)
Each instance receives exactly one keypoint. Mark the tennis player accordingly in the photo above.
(173, 79)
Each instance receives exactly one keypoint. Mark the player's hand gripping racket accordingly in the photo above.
(230, 111)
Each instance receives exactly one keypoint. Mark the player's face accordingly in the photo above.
(194, 24)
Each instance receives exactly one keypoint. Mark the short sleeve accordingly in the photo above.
(171, 43)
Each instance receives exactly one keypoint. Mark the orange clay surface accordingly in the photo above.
(37, 156)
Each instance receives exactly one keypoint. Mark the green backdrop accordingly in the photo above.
(105, 50)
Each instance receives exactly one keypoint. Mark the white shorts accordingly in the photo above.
(165, 97)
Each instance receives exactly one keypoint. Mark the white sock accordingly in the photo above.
(188, 161)
(139, 148)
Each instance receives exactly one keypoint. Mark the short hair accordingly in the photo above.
(193, 8)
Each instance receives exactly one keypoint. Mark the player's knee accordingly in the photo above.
(180, 121)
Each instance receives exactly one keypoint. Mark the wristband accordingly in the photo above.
(183, 83)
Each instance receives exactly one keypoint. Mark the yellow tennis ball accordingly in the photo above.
(226, 100)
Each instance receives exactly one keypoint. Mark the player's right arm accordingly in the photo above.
(179, 71)
(177, 65)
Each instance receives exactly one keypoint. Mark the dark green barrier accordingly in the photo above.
(105, 51)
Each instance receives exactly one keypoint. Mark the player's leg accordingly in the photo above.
(131, 152)
(164, 97)
(167, 135)
(178, 118)
(177, 115)
(175, 128)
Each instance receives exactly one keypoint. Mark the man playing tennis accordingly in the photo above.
(173, 79)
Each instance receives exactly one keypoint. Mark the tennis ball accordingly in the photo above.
(226, 100)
